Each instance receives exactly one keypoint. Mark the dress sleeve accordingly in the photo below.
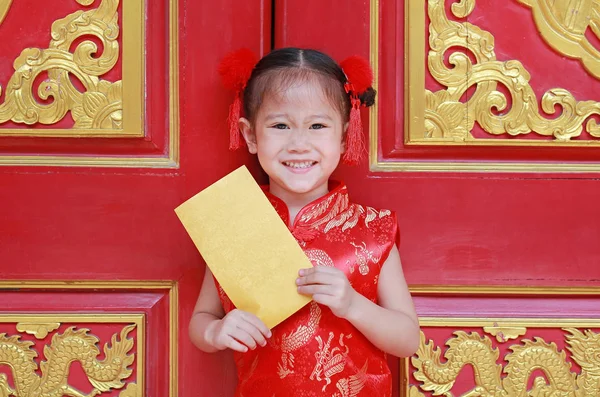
(390, 235)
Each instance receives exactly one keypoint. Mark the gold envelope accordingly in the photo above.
(247, 246)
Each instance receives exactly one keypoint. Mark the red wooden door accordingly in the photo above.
(91, 252)
(499, 230)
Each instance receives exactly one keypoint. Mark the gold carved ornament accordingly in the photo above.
(448, 119)
(563, 25)
(4, 7)
(101, 105)
(72, 345)
(39, 330)
(526, 357)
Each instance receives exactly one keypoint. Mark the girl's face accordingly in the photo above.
(297, 135)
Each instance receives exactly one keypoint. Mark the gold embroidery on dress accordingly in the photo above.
(318, 209)
(350, 387)
(297, 339)
(329, 362)
(319, 258)
(341, 203)
(349, 218)
(363, 256)
(372, 214)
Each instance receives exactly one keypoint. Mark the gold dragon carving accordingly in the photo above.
(100, 105)
(71, 345)
(563, 25)
(448, 119)
(526, 357)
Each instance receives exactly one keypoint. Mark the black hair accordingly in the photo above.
(283, 67)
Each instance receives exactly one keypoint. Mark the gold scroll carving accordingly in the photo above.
(449, 120)
(71, 345)
(39, 330)
(563, 25)
(526, 357)
(100, 106)
(504, 334)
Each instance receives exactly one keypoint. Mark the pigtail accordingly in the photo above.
(359, 81)
(235, 70)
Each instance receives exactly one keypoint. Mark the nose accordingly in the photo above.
(299, 141)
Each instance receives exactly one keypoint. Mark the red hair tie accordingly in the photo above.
(235, 70)
(360, 78)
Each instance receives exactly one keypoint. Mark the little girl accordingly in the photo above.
(301, 118)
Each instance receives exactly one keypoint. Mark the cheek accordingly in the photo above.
(268, 148)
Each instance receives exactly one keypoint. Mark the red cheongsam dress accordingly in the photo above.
(315, 353)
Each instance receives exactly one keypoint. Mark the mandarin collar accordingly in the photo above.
(315, 213)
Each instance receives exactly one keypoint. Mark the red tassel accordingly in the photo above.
(360, 77)
(355, 146)
(235, 110)
(235, 70)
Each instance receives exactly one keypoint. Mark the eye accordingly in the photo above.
(317, 126)
(280, 126)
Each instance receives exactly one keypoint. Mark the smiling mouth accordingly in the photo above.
(299, 164)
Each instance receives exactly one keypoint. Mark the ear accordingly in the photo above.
(249, 134)
(343, 147)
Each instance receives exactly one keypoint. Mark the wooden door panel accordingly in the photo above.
(87, 223)
(483, 220)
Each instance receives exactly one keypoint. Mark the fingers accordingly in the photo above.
(257, 323)
(242, 331)
(254, 333)
(319, 269)
(320, 277)
(235, 345)
(324, 299)
(243, 336)
(312, 289)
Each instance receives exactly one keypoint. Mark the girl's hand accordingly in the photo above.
(328, 286)
(238, 331)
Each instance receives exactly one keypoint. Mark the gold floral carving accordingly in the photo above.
(525, 358)
(504, 334)
(447, 119)
(563, 25)
(39, 330)
(100, 106)
(72, 345)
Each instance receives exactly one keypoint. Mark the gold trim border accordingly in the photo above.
(171, 161)
(491, 290)
(137, 319)
(414, 115)
(529, 322)
(172, 286)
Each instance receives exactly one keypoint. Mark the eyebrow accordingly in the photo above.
(276, 116)
(285, 115)
(320, 116)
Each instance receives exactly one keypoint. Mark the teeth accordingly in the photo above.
(303, 164)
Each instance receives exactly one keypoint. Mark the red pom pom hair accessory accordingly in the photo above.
(235, 70)
(359, 76)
